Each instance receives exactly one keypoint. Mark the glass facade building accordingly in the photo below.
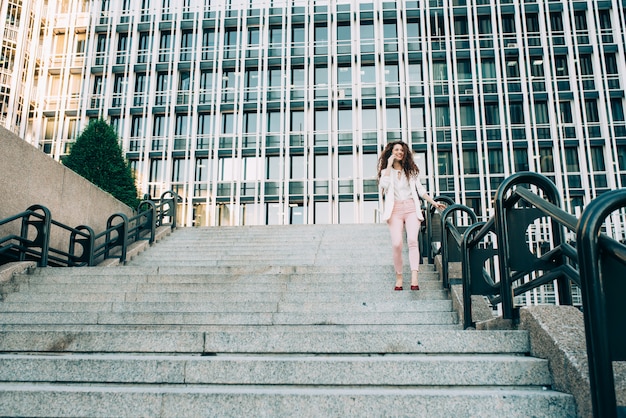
(274, 112)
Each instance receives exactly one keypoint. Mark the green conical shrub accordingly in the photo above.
(97, 156)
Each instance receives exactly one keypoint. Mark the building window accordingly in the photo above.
(297, 121)
(591, 110)
(368, 119)
(122, 46)
(541, 113)
(144, 47)
(496, 161)
(159, 127)
(516, 111)
(393, 118)
(546, 160)
(119, 89)
(492, 114)
(520, 159)
(184, 86)
(272, 167)
(297, 83)
(344, 75)
(181, 132)
(572, 167)
(165, 45)
(208, 44)
(297, 167)
(162, 88)
(467, 115)
(390, 35)
(599, 167)
(470, 162)
(137, 126)
(343, 38)
(186, 45)
(201, 176)
(617, 109)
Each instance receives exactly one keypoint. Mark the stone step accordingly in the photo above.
(242, 262)
(258, 321)
(221, 306)
(131, 270)
(216, 277)
(274, 339)
(235, 400)
(234, 318)
(240, 369)
(238, 287)
(191, 296)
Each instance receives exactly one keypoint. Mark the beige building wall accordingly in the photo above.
(28, 177)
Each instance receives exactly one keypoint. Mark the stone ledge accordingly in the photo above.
(557, 333)
(7, 271)
(481, 311)
(8, 284)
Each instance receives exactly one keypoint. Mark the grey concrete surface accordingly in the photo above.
(29, 177)
(305, 332)
(557, 333)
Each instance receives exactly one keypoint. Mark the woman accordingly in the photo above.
(400, 187)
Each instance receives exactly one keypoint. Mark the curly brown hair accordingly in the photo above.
(408, 164)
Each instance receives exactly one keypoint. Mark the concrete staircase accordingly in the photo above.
(258, 321)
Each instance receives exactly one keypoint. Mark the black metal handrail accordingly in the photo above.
(452, 236)
(85, 247)
(603, 268)
(433, 228)
(596, 263)
(36, 217)
(501, 243)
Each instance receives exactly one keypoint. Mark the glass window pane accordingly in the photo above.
(298, 167)
(272, 169)
(344, 120)
(444, 163)
(321, 120)
(369, 119)
(571, 159)
(393, 118)
(368, 74)
(496, 161)
(273, 122)
(346, 169)
(343, 32)
(344, 75)
(521, 159)
(297, 120)
(321, 166)
(468, 117)
(597, 159)
(470, 162)
(546, 160)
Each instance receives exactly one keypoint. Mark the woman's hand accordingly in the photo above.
(390, 161)
(440, 206)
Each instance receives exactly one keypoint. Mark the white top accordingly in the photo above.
(387, 185)
(401, 187)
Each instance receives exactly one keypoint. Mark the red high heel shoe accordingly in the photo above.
(397, 288)
(415, 287)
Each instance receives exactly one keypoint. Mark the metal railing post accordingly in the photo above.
(42, 224)
(502, 205)
(595, 300)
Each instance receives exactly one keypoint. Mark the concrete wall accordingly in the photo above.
(28, 177)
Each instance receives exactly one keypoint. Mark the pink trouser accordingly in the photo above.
(404, 216)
